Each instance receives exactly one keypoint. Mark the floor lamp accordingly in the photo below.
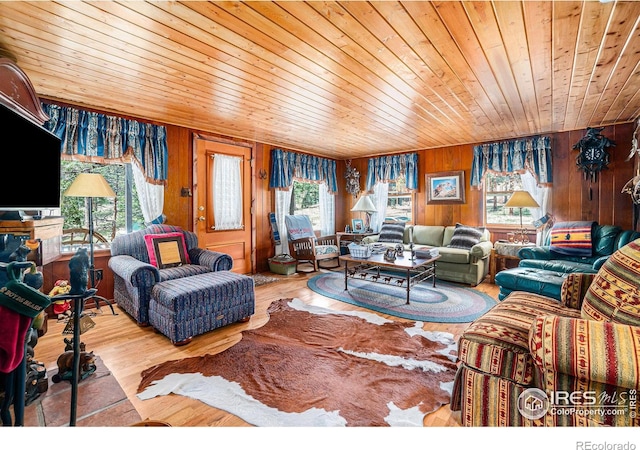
(365, 205)
(90, 186)
(521, 199)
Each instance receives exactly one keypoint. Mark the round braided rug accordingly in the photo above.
(447, 302)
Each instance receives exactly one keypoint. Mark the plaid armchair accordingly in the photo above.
(534, 361)
(134, 275)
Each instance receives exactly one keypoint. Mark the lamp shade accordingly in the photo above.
(89, 185)
(364, 204)
(521, 199)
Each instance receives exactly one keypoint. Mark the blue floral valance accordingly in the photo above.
(518, 156)
(389, 168)
(93, 136)
(285, 166)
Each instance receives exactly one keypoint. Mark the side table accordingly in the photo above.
(345, 239)
(501, 253)
(350, 237)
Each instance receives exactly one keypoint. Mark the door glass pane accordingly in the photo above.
(227, 192)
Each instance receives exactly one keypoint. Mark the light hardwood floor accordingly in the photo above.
(127, 350)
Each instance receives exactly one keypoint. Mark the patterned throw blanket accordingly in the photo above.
(572, 238)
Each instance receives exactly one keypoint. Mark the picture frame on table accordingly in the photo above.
(357, 225)
(444, 188)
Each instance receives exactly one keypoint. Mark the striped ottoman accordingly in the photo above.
(186, 307)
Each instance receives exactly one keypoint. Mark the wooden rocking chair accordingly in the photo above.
(305, 247)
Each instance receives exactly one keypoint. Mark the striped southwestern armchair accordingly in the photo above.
(134, 276)
(534, 361)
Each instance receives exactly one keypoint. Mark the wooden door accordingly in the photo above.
(235, 242)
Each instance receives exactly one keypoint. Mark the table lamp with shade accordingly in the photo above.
(365, 205)
(521, 199)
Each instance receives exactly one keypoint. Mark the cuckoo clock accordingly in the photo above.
(593, 156)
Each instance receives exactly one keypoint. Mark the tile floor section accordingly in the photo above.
(101, 403)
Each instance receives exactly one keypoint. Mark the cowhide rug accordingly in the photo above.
(312, 366)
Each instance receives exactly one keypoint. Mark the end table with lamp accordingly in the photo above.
(365, 205)
(503, 252)
(521, 199)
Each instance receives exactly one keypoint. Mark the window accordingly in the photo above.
(305, 199)
(399, 201)
(498, 189)
(112, 216)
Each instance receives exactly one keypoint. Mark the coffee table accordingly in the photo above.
(410, 271)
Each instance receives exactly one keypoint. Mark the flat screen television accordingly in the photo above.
(30, 175)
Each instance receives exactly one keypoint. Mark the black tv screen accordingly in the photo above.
(30, 175)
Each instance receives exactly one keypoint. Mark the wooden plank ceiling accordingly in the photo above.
(338, 79)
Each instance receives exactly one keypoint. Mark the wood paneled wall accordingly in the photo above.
(179, 208)
(345, 201)
(457, 157)
(59, 270)
(573, 197)
(263, 204)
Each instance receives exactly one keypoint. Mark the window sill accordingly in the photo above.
(72, 249)
(508, 228)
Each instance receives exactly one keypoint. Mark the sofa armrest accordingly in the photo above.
(371, 239)
(543, 253)
(599, 262)
(603, 352)
(481, 250)
(133, 270)
(574, 288)
(216, 261)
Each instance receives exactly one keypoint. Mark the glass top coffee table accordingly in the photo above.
(402, 272)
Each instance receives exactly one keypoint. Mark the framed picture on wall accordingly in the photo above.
(445, 187)
(357, 225)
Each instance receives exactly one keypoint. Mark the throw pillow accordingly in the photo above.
(392, 232)
(572, 238)
(465, 237)
(167, 249)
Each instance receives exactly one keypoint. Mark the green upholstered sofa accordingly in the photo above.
(455, 264)
(534, 361)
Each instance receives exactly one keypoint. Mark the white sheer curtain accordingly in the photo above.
(283, 202)
(327, 211)
(151, 196)
(542, 196)
(227, 192)
(379, 198)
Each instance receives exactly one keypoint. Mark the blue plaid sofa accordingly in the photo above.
(195, 294)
